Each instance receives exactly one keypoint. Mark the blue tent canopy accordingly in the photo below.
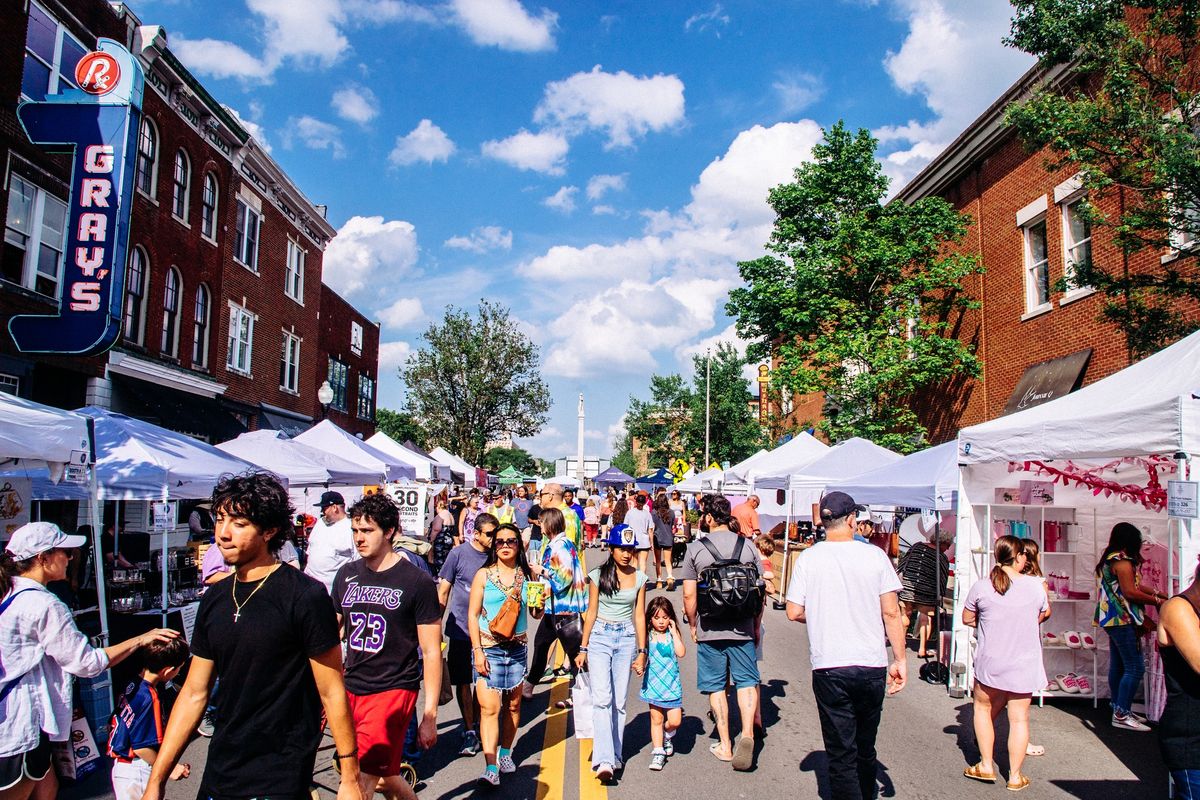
(613, 477)
(660, 477)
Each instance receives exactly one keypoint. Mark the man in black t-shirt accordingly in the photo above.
(389, 610)
(271, 636)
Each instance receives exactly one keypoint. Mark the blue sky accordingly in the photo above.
(599, 168)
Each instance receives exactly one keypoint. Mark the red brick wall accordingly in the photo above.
(336, 316)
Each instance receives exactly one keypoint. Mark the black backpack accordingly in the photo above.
(729, 588)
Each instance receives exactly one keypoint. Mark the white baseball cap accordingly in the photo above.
(37, 537)
(864, 515)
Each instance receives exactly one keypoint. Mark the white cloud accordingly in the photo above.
(544, 152)
(710, 343)
(563, 200)
(952, 56)
(389, 11)
(599, 185)
(393, 355)
(481, 240)
(218, 59)
(356, 104)
(251, 126)
(369, 249)
(797, 91)
(402, 313)
(505, 24)
(625, 106)
(426, 142)
(712, 20)
(603, 210)
(616, 431)
(314, 134)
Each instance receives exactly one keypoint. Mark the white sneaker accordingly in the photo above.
(506, 764)
(604, 772)
(1129, 723)
(489, 778)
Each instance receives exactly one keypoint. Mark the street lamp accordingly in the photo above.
(707, 402)
(325, 397)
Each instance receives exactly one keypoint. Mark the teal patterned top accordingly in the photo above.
(1113, 607)
(661, 682)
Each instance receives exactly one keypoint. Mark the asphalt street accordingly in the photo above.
(925, 740)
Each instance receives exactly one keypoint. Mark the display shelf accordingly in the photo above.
(1057, 693)
(1065, 647)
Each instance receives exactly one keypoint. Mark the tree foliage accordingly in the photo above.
(670, 423)
(499, 459)
(401, 426)
(1128, 121)
(858, 299)
(623, 458)
(475, 378)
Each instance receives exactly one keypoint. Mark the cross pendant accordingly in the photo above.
(237, 615)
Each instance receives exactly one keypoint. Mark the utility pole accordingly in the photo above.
(707, 402)
(579, 443)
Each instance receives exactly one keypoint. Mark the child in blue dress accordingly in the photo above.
(661, 686)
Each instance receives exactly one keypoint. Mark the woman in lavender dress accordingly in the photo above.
(1006, 609)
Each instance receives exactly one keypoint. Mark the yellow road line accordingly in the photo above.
(551, 770)
(589, 787)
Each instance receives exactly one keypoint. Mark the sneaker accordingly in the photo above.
(470, 744)
(489, 779)
(668, 747)
(507, 765)
(604, 772)
(658, 761)
(1129, 723)
(205, 728)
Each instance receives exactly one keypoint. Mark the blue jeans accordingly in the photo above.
(1125, 666)
(611, 649)
(1185, 784)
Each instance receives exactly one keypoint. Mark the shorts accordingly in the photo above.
(380, 722)
(719, 662)
(458, 661)
(506, 667)
(129, 779)
(33, 764)
(664, 540)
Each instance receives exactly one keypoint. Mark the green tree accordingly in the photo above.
(475, 378)
(1126, 119)
(858, 298)
(499, 459)
(401, 427)
(623, 458)
(660, 424)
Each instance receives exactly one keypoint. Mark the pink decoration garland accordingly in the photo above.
(1153, 496)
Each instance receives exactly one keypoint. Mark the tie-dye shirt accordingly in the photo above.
(561, 567)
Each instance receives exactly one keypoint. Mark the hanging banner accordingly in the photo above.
(15, 502)
(99, 123)
(411, 499)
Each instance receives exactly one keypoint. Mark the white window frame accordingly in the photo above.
(363, 411)
(247, 216)
(34, 238)
(233, 362)
(1070, 246)
(180, 193)
(345, 372)
(356, 338)
(293, 277)
(151, 191)
(138, 336)
(1033, 304)
(10, 384)
(200, 327)
(56, 75)
(209, 221)
(289, 363)
(169, 343)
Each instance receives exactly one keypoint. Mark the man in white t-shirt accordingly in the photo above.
(847, 593)
(331, 543)
(642, 524)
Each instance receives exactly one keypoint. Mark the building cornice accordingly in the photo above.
(161, 374)
(258, 167)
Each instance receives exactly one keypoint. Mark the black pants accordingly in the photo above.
(850, 702)
(570, 634)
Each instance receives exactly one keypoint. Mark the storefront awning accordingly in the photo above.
(1048, 380)
(281, 419)
(183, 412)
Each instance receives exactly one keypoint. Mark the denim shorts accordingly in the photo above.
(719, 662)
(506, 666)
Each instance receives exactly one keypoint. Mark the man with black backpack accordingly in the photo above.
(723, 596)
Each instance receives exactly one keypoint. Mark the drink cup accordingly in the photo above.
(535, 594)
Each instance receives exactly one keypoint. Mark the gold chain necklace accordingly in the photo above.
(237, 613)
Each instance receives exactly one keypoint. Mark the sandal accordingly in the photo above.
(1022, 783)
(714, 747)
(568, 703)
(1035, 750)
(976, 773)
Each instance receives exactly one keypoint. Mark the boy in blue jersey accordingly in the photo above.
(138, 725)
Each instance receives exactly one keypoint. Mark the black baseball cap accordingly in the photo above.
(331, 499)
(836, 505)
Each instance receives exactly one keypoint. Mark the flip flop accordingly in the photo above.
(713, 748)
(976, 774)
(743, 754)
(568, 703)
(1035, 750)
(1022, 783)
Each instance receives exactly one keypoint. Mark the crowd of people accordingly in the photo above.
(359, 642)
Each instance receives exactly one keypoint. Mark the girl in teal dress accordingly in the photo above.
(661, 686)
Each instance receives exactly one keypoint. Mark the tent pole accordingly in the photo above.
(96, 518)
(937, 577)
(166, 569)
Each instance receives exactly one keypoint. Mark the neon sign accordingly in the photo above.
(99, 123)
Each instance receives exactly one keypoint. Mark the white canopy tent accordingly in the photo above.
(456, 464)
(709, 480)
(772, 470)
(566, 481)
(343, 444)
(301, 464)
(1115, 429)
(925, 479)
(37, 435)
(426, 469)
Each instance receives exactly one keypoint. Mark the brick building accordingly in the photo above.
(224, 308)
(349, 359)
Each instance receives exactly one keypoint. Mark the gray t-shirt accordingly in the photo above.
(459, 571)
(697, 559)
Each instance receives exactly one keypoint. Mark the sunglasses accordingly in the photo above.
(506, 542)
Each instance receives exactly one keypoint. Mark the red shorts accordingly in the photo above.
(380, 722)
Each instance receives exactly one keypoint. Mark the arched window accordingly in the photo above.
(135, 296)
(172, 294)
(208, 207)
(181, 184)
(200, 328)
(147, 157)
